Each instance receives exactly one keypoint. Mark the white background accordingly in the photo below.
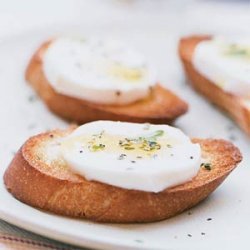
(180, 15)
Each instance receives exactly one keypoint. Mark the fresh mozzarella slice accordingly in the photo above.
(226, 62)
(132, 156)
(101, 71)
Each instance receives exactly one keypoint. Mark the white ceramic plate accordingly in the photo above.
(23, 114)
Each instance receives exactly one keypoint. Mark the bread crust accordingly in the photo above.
(162, 106)
(54, 187)
(232, 104)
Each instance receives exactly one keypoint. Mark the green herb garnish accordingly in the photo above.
(97, 147)
(146, 143)
(122, 156)
(129, 148)
(238, 51)
(155, 135)
(99, 135)
(150, 145)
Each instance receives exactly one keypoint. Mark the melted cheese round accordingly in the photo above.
(226, 62)
(132, 156)
(100, 71)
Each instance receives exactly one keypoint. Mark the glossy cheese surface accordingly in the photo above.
(100, 71)
(132, 156)
(226, 62)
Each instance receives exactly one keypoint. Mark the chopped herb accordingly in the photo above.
(97, 147)
(122, 156)
(125, 143)
(150, 145)
(129, 148)
(145, 143)
(99, 135)
(159, 133)
(154, 136)
(207, 166)
(238, 51)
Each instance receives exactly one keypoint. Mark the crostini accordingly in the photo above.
(86, 80)
(219, 69)
(118, 172)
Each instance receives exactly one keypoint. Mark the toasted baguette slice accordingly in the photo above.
(43, 180)
(162, 106)
(234, 105)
